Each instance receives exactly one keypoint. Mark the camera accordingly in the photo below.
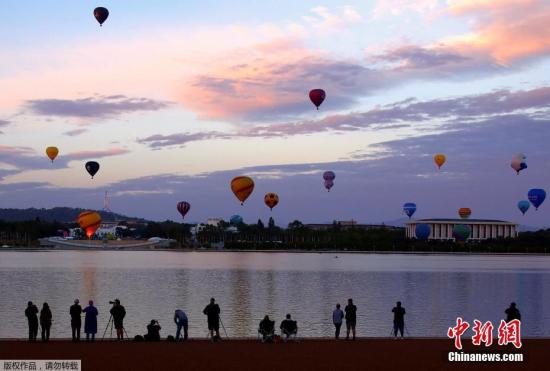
(113, 302)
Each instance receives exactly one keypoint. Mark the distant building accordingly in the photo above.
(214, 221)
(348, 224)
(481, 229)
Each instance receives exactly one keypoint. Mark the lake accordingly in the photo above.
(434, 289)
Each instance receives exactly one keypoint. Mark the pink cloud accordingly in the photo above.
(84, 155)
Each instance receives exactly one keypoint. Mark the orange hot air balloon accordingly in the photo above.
(242, 187)
(464, 212)
(271, 200)
(439, 159)
(52, 152)
(89, 221)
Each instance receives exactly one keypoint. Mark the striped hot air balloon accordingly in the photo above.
(89, 221)
(271, 200)
(242, 187)
(183, 207)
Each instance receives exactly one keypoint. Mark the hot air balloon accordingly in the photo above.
(464, 212)
(89, 221)
(518, 162)
(242, 187)
(536, 196)
(461, 232)
(271, 200)
(236, 219)
(422, 231)
(329, 177)
(52, 152)
(409, 208)
(101, 14)
(183, 207)
(92, 168)
(439, 159)
(317, 97)
(523, 206)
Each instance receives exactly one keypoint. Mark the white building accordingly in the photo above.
(481, 229)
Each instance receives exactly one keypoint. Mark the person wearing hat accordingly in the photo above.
(76, 321)
(118, 312)
(90, 320)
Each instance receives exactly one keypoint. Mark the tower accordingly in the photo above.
(106, 203)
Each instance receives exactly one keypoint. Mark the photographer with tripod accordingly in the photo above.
(212, 312)
(118, 313)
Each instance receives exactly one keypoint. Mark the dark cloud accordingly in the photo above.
(85, 155)
(159, 140)
(97, 107)
(75, 132)
(4, 123)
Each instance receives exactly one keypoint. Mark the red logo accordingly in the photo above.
(508, 333)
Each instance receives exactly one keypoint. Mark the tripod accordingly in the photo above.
(110, 324)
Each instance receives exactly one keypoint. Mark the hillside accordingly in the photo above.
(56, 214)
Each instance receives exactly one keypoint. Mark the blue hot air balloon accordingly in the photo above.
(236, 219)
(409, 208)
(536, 196)
(422, 231)
(523, 206)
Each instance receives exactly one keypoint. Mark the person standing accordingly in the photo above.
(512, 313)
(351, 318)
(32, 318)
(76, 321)
(212, 312)
(118, 312)
(45, 321)
(337, 317)
(90, 321)
(180, 318)
(398, 319)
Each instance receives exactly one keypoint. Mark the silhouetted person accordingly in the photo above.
(267, 329)
(337, 317)
(351, 318)
(512, 313)
(180, 318)
(90, 320)
(212, 312)
(288, 327)
(118, 312)
(31, 314)
(45, 321)
(398, 319)
(76, 321)
(153, 331)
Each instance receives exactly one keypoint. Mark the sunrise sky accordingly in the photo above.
(174, 98)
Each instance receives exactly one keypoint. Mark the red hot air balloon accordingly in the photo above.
(183, 208)
(317, 97)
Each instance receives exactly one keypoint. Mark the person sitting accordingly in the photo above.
(288, 328)
(267, 329)
(153, 331)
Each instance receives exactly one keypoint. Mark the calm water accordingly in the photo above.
(434, 289)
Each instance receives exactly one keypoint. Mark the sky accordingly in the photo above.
(175, 98)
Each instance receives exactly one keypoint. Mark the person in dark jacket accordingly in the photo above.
(45, 321)
(76, 321)
(118, 312)
(351, 318)
(398, 319)
(267, 329)
(288, 327)
(31, 314)
(153, 331)
(180, 318)
(512, 313)
(212, 312)
(90, 321)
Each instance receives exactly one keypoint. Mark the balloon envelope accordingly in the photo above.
(422, 231)
(92, 168)
(536, 196)
(439, 159)
(271, 200)
(329, 175)
(236, 219)
(101, 14)
(409, 208)
(242, 187)
(89, 221)
(317, 96)
(52, 152)
(183, 207)
(523, 206)
(461, 232)
(464, 212)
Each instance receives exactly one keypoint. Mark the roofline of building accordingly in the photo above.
(461, 221)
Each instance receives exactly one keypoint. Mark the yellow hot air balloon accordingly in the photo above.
(271, 200)
(89, 221)
(439, 159)
(52, 152)
(242, 187)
